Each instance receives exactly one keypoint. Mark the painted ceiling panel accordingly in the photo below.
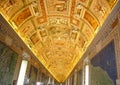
(58, 32)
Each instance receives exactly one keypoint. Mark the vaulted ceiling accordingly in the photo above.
(58, 32)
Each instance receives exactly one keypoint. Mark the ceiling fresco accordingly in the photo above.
(58, 32)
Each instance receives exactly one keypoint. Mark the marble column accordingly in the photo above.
(21, 76)
(86, 72)
(68, 81)
(75, 77)
(23, 68)
(53, 83)
(49, 81)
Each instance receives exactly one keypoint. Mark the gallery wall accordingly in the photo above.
(105, 63)
(8, 60)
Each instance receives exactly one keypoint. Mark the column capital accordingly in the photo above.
(26, 56)
(86, 61)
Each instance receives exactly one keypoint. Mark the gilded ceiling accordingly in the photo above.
(58, 32)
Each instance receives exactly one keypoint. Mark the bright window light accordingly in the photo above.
(22, 72)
